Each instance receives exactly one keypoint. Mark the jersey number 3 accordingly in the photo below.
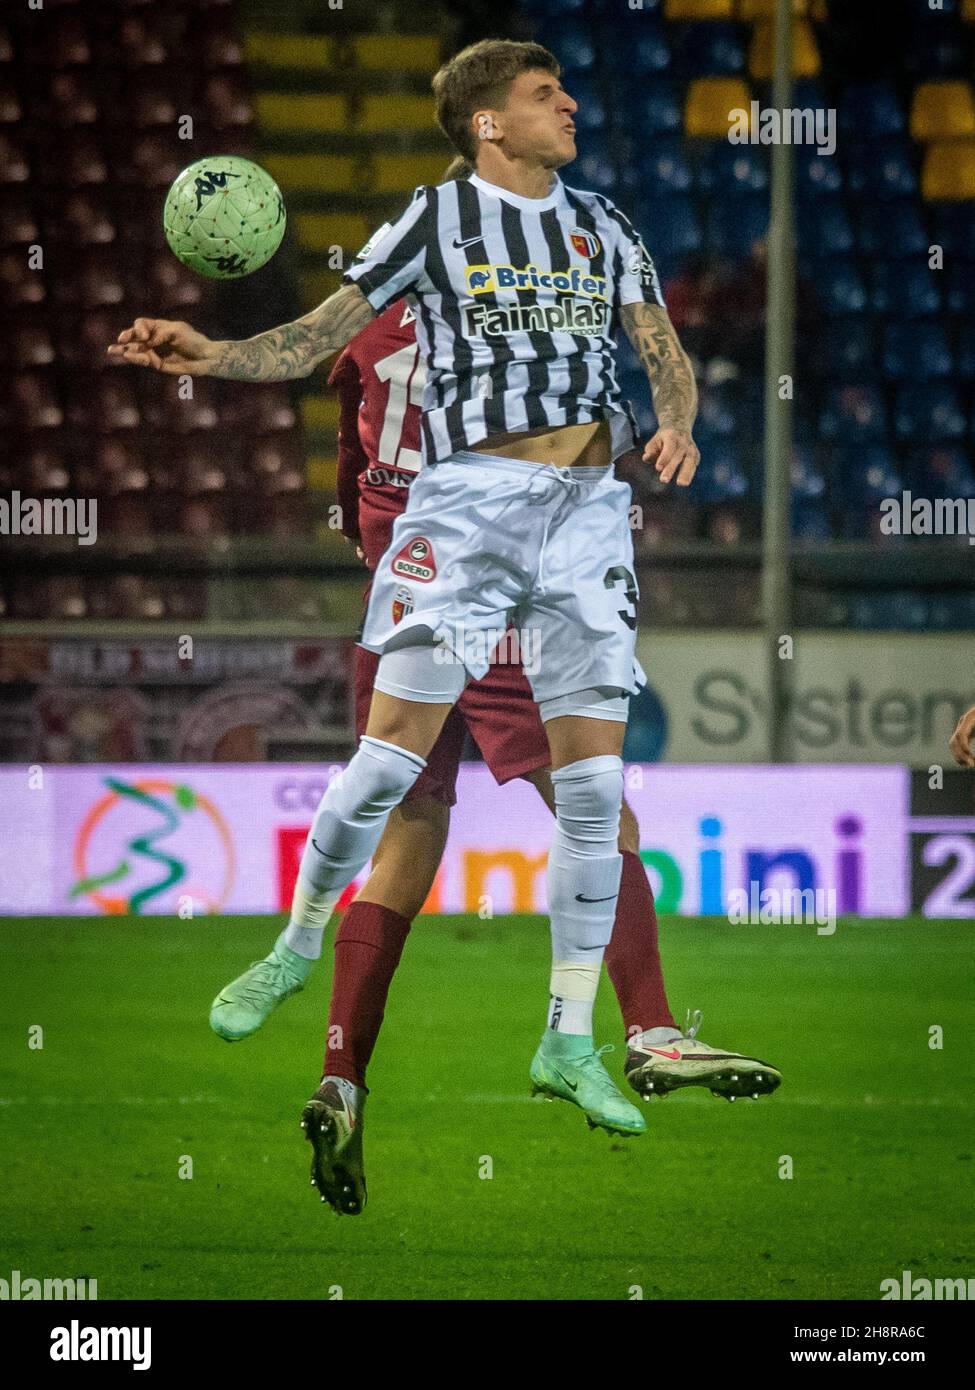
(619, 574)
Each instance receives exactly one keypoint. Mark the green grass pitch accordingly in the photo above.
(95, 1124)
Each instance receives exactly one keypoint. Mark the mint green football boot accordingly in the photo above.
(567, 1067)
(242, 1006)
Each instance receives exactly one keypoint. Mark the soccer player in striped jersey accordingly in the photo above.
(516, 282)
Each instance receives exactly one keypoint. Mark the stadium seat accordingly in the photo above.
(965, 352)
(816, 175)
(657, 109)
(591, 114)
(14, 163)
(839, 289)
(707, 50)
(576, 51)
(823, 229)
(671, 229)
(943, 111)
(916, 351)
(18, 222)
(19, 285)
(643, 52)
(34, 403)
(929, 411)
(846, 350)
(904, 289)
(881, 169)
(699, 9)
(732, 169)
(853, 415)
(946, 471)
(75, 160)
(720, 476)
(716, 411)
(709, 102)
(893, 230)
(761, 52)
(863, 474)
(735, 224)
(11, 111)
(960, 294)
(27, 343)
(751, 10)
(949, 171)
(954, 228)
(664, 166)
(870, 111)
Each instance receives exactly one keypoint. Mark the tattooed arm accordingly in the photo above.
(293, 350)
(654, 338)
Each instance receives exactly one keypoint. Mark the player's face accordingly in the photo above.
(536, 123)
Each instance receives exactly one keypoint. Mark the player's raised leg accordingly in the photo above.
(583, 883)
(345, 832)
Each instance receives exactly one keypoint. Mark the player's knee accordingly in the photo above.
(588, 797)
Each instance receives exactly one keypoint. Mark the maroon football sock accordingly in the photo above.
(368, 947)
(633, 954)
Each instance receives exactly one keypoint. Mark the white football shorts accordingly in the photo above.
(538, 558)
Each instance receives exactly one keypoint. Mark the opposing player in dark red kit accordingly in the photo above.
(379, 377)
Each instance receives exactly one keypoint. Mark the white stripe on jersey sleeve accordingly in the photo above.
(393, 260)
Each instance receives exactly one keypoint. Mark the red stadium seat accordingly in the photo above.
(11, 111)
(27, 343)
(104, 402)
(14, 164)
(142, 40)
(7, 53)
(166, 409)
(18, 223)
(71, 100)
(75, 159)
(34, 403)
(174, 291)
(18, 283)
(81, 219)
(64, 41)
(227, 101)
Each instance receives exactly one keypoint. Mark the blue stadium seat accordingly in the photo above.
(954, 228)
(591, 114)
(965, 352)
(929, 411)
(577, 53)
(870, 111)
(732, 169)
(960, 298)
(639, 50)
(864, 474)
(904, 290)
(816, 175)
(916, 352)
(937, 50)
(716, 412)
(670, 227)
(810, 519)
(881, 169)
(664, 166)
(945, 471)
(846, 350)
(893, 230)
(720, 477)
(824, 229)
(712, 49)
(735, 224)
(854, 415)
(657, 110)
(839, 289)
(592, 171)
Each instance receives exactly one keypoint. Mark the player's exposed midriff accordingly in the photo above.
(587, 445)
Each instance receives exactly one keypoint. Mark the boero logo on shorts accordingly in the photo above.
(415, 561)
(402, 603)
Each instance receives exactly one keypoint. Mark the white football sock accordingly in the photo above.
(348, 826)
(584, 869)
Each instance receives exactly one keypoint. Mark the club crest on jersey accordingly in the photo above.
(586, 243)
(415, 561)
(402, 603)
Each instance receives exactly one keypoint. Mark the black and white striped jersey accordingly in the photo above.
(515, 301)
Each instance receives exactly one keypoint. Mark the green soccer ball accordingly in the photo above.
(224, 217)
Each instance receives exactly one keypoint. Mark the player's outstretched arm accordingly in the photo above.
(295, 349)
(672, 449)
(961, 739)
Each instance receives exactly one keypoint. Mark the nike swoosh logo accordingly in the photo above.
(572, 1085)
(320, 850)
(663, 1052)
(581, 899)
(470, 241)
